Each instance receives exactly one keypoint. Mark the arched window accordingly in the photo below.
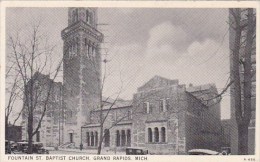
(73, 50)
(107, 138)
(93, 50)
(75, 15)
(89, 49)
(96, 138)
(77, 46)
(117, 138)
(70, 51)
(150, 135)
(91, 18)
(87, 139)
(92, 139)
(128, 137)
(87, 16)
(156, 134)
(123, 138)
(163, 137)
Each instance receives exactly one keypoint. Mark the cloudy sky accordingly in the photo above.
(186, 44)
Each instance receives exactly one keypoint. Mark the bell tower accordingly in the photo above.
(81, 70)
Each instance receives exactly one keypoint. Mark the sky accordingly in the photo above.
(186, 44)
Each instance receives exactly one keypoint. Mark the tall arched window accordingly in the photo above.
(90, 49)
(85, 41)
(92, 138)
(70, 51)
(73, 50)
(96, 138)
(123, 138)
(107, 138)
(156, 134)
(128, 137)
(93, 50)
(75, 15)
(91, 18)
(77, 46)
(87, 139)
(150, 135)
(163, 137)
(117, 138)
(87, 16)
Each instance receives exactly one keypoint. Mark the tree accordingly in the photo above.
(106, 104)
(13, 93)
(103, 114)
(32, 57)
(242, 22)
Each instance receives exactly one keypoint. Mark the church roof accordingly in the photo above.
(156, 82)
(119, 103)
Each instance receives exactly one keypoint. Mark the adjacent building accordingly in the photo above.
(51, 129)
(14, 133)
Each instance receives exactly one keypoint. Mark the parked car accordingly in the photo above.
(39, 149)
(136, 151)
(13, 145)
(225, 150)
(7, 147)
(22, 146)
(203, 152)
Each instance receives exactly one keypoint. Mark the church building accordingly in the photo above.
(164, 116)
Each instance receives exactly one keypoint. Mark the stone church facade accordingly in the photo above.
(164, 116)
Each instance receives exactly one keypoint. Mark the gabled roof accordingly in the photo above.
(156, 82)
(119, 103)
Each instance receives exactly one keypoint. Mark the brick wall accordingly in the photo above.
(172, 119)
(203, 129)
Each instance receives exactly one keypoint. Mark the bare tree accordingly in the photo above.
(32, 56)
(106, 104)
(13, 93)
(243, 23)
(103, 113)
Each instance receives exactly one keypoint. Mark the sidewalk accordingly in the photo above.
(103, 152)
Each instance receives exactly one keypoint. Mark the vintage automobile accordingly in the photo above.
(225, 150)
(13, 145)
(7, 147)
(39, 149)
(203, 152)
(136, 151)
(22, 146)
